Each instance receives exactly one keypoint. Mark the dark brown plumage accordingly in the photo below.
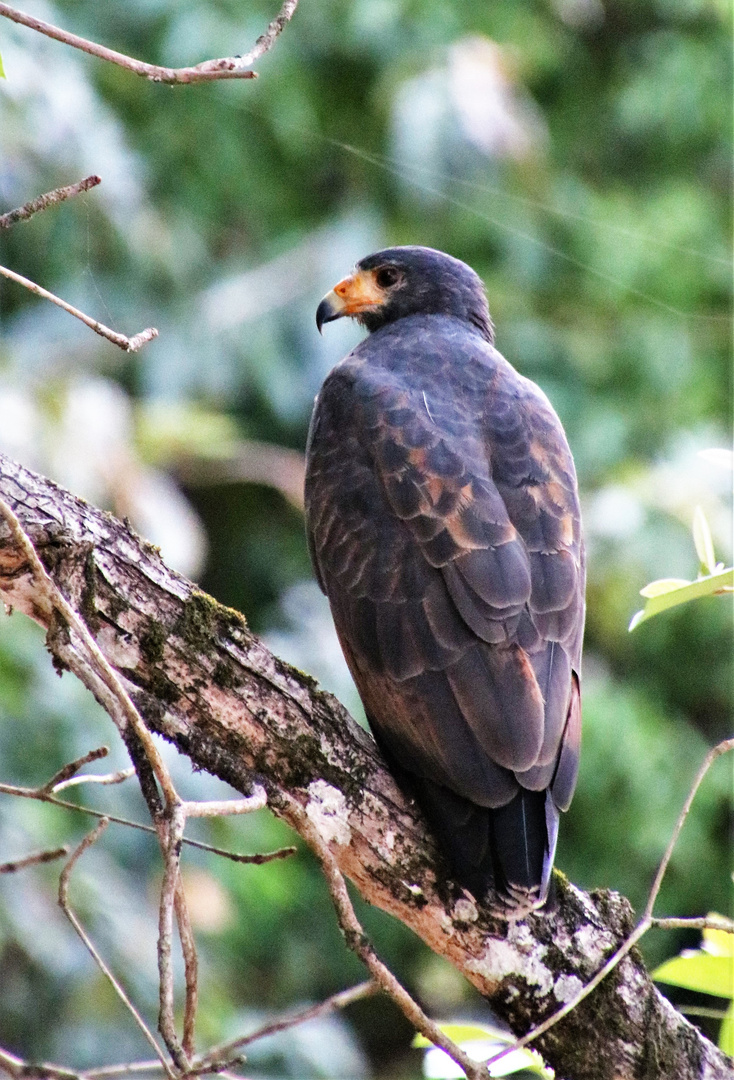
(443, 523)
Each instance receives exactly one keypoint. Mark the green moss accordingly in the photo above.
(152, 643)
(115, 606)
(204, 618)
(197, 620)
(158, 684)
(303, 677)
(224, 677)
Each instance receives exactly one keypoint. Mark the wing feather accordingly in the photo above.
(444, 527)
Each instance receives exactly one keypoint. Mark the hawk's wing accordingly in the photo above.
(444, 527)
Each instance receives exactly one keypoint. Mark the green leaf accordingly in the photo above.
(726, 1035)
(663, 585)
(718, 942)
(699, 970)
(703, 541)
(720, 582)
(461, 1033)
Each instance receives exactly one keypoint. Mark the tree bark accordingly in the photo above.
(203, 681)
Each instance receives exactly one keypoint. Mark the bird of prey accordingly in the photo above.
(443, 524)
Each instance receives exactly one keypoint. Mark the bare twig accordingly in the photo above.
(84, 657)
(358, 942)
(72, 768)
(33, 860)
(125, 343)
(172, 853)
(715, 752)
(87, 659)
(336, 1001)
(226, 807)
(706, 922)
(87, 842)
(645, 922)
(258, 859)
(213, 1061)
(231, 67)
(174, 899)
(105, 779)
(149, 789)
(42, 202)
(17, 1068)
(702, 1010)
(128, 1068)
(266, 41)
(191, 967)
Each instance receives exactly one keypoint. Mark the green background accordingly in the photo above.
(576, 153)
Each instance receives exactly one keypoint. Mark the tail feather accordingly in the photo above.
(503, 855)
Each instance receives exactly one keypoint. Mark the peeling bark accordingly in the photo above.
(204, 682)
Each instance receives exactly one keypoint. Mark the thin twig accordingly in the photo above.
(33, 860)
(86, 659)
(172, 855)
(191, 967)
(645, 922)
(258, 859)
(17, 1067)
(126, 1069)
(105, 779)
(336, 1001)
(42, 202)
(216, 1059)
(706, 922)
(72, 768)
(714, 753)
(124, 711)
(358, 942)
(231, 67)
(161, 816)
(258, 800)
(702, 1010)
(87, 842)
(125, 343)
(266, 41)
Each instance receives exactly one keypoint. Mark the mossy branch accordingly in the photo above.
(202, 680)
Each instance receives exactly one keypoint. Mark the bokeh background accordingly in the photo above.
(576, 153)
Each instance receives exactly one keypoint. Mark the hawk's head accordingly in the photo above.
(404, 281)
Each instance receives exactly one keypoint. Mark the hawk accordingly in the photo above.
(443, 524)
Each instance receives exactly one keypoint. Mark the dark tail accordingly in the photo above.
(505, 855)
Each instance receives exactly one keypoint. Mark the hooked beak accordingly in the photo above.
(329, 309)
(353, 295)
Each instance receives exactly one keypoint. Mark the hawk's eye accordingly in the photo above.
(386, 276)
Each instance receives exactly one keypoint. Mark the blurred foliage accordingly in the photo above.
(576, 153)
(713, 578)
(710, 971)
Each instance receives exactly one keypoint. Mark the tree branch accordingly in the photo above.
(87, 842)
(42, 202)
(127, 344)
(197, 676)
(230, 67)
